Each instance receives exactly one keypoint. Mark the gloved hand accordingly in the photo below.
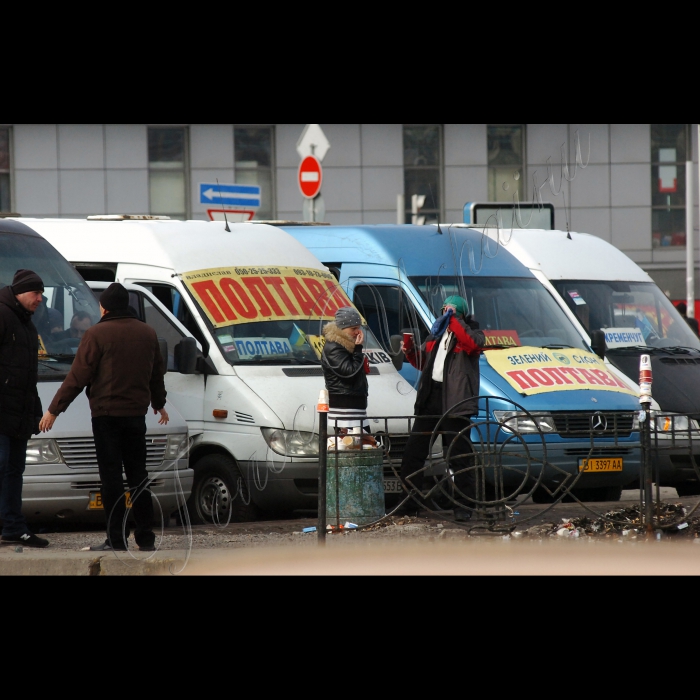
(441, 324)
(474, 325)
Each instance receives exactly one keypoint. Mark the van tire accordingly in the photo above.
(218, 483)
(688, 488)
(610, 493)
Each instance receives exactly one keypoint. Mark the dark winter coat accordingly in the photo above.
(461, 371)
(20, 406)
(344, 369)
(119, 362)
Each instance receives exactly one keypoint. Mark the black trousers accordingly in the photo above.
(120, 443)
(418, 446)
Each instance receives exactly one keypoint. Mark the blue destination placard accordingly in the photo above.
(230, 195)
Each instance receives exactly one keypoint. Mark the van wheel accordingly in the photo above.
(220, 494)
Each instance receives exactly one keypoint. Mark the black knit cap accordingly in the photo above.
(26, 281)
(114, 298)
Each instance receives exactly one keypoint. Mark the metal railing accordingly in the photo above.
(511, 457)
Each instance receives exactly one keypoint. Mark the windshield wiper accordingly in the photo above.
(555, 346)
(281, 361)
(46, 364)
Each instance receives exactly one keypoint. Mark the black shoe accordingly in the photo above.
(412, 506)
(147, 548)
(462, 515)
(26, 540)
(106, 547)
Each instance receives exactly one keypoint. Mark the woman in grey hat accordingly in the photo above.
(345, 370)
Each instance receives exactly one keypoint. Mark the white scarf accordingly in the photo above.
(439, 366)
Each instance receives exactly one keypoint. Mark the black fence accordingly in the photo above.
(508, 461)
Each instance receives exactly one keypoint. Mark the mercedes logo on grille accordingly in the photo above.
(599, 423)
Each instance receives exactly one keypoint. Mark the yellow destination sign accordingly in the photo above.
(531, 370)
(231, 295)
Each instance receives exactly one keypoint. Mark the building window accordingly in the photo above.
(254, 160)
(506, 161)
(167, 168)
(669, 151)
(5, 199)
(422, 169)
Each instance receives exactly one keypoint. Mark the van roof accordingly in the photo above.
(583, 256)
(420, 249)
(178, 245)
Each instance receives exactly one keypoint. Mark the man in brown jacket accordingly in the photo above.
(120, 364)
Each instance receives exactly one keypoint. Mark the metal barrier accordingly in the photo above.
(510, 464)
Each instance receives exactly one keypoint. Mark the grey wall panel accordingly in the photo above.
(81, 146)
(545, 141)
(127, 191)
(630, 143)
(465, 184)
(211, 146)
(344, 218)
(631, 228)
(595, 221)
(380, 187)
(345, 145)
(82, 192)
(669, 255)
(35, 146)
(199, 175)
(465, 144)
(289, 198)
(630, 185)
(382, 144)
(379, 217)
(286, 137)
(454, 216)
(341, 190)
(591, 187)
(126, 146)
(36, 192)
(597, 135)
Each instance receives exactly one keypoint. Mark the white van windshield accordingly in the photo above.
(511, 311)
(630, 313)
(278, 342)
(68, 308)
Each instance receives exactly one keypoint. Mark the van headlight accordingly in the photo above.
(291, 443)
(43, 451)
(671, 423)
(518, 422)
(176, 446)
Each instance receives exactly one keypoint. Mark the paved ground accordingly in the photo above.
(527, 543)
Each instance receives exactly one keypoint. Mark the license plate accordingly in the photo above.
(600, 464)
(96, 501)
(392, 486)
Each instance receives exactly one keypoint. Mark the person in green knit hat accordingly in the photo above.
(449, 383)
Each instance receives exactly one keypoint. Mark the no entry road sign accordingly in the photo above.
(310, 176)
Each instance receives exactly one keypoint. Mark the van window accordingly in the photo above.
(510, 310)
(629, 313)
(173, 301)
(388, 311)
(68, 308)
(164, 329)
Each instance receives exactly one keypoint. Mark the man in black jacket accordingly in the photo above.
(345, 370)
(20, 406)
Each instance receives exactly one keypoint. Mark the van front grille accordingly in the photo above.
(80, 452)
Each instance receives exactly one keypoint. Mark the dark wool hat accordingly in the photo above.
(347, 317)
(114, 298)
(26, 281)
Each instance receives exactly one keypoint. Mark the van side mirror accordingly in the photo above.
(397, 357)
(186, 356)
(163, 345)
(598, 344)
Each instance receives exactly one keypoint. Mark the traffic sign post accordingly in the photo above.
(312, 146)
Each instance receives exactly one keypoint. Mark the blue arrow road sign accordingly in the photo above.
(231, 195)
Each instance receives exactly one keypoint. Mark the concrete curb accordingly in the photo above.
(42, 563)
